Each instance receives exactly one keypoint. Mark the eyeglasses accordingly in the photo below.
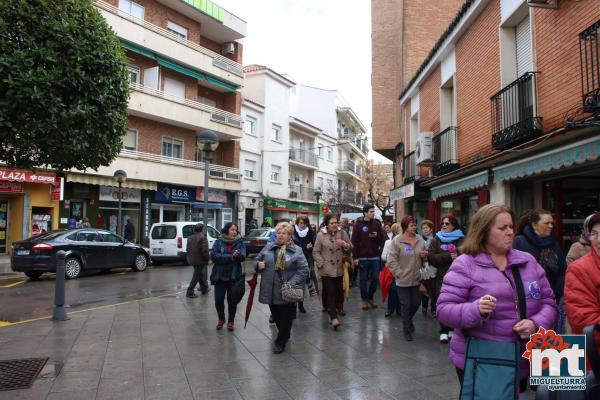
(594, 234)
(446, 223)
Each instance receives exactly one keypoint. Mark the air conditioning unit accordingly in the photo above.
(228, 48)
(424, 148)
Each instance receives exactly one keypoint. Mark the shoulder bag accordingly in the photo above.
(290, 293)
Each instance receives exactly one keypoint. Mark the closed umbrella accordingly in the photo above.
(385, 282)
(252, 283)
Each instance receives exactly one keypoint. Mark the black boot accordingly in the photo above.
(301, 307)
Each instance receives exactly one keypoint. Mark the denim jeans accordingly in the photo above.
(410, 300)
(223, 288)
(369, 269)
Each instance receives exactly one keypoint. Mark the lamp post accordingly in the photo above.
(207, 141)
(318, 195)
(120, 177)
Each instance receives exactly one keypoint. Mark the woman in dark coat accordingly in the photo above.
(228, 254)
(304, 237)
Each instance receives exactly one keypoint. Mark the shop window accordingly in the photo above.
(130, 139)
(177, 29)
(172, 148)
(131, 7)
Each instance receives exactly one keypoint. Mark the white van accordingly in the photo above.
(168, 240)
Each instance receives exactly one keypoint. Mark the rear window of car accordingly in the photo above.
(108, 238)
(213, 233)
(188, 230)
(258, 233)
(164, 232)
(86, 236)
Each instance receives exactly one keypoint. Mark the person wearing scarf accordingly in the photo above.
(443, 250)
(305, 238)
(280, 261)
(228, 254)
(581, 247)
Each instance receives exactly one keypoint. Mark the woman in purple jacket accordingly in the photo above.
(478, 296)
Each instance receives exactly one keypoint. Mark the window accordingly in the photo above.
(329, 183)
(329, 154)
(414, 131)
(250, 126)
(276, 133)
(198, 155)
(207, 101)
(226, 215)
(134, 73)
(275, 173)
(130, 139)
(188, 230)
(108, 238)
(320, 183)
(177, 29)
(249, 169)
(212, 232)
(164, 232)
(320, 151)
(132, 8)
(447, 108)
(174, 88)
(172, 148)
(523, 47)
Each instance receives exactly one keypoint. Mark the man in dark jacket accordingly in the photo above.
(198, 256)
(129, 231)
(368, 240)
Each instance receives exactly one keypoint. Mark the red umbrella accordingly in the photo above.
(385, 282)
(252, 283)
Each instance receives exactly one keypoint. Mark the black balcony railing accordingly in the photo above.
(514, 113)
(410, 170)
(589, 52)
(445, 153)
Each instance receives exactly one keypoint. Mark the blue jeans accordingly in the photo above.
(369, 269)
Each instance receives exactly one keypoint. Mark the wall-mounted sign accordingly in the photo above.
(170, 193)
(214, 195)
(403, 192)
(26, 176)
(56, 189)
(109, 193)
(11, 187)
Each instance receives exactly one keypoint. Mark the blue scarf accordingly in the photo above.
(451, 236)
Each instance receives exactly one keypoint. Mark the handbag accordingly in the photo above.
(427, 271)
(290, 293)
(491, 369)
(238, 289)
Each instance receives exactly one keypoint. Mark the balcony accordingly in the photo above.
(444, 151)
(514, 113)
(159, 106)
(166, 43)
(303, 193)
(589, 52)
(355, 143)
(350, 168)
(304, 158)
(350, 197)
(410, 170)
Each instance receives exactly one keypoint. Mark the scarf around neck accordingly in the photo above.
(450, 236)
(537, 240)
(301, 232)
(229, 239)
(280, 262)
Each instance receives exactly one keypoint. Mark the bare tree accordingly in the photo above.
(378, 184)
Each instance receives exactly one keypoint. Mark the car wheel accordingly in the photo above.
(141, 262)
(33, 274)
(72, 268)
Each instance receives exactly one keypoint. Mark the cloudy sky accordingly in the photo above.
(319, 43)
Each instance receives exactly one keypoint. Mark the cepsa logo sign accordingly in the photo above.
(557, 361)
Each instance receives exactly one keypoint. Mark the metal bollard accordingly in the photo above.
(59, 313)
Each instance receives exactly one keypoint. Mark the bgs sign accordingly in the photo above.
(170, 193)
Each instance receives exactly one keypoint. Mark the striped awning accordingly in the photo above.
(462, 185)
(110, 181)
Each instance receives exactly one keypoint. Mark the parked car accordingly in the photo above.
(168, 240)
(256, 239)
(86, 248)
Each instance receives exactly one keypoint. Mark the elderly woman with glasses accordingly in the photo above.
(443, 250)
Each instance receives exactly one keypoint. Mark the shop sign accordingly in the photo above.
(26, 176)
(403, 192)
(56, 189)
(11, 187)
(147, 212)
(214, 195)
(447, 204)
(108, 193)
(289, 205)
(171, 193)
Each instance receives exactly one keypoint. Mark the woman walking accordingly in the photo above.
(393, 305)
(480, 291)
(431, 297)
(278, 262)
(305, 238)
(331, 245)
(405, 258)
(583, 246)
(443, 250)
(228, 254)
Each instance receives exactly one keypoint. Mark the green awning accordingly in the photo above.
(576, 153)
(462, 185)
(139, 50)
(221, 84)
(180, 68)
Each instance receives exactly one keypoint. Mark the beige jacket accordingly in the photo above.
(405, 262)
(577, 250)
(328, 255)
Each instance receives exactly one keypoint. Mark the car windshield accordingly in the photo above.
(258, 233)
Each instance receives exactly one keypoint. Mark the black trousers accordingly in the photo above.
(331, 294)
(200, 276)
(431, 296)
(222, 289)
(283, 314)
(410, 300)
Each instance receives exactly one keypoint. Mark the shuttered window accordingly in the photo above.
(523, 45)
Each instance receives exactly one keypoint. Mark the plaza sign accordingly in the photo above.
(26, 176)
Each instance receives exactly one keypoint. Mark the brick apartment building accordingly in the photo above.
(504, 109)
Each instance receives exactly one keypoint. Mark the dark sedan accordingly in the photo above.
(86, 249)
(256, 239)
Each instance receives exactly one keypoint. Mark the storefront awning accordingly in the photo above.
(576, 153)
(110, 181)
(462, 185)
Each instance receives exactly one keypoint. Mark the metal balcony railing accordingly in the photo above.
(304, 157)
(514, 113)
(301, 192)
(410, 171)
(348, 197)
(219, 61)
(215, 171)
(589, 53)
(351, 166)
(216, 114)
(445, 154)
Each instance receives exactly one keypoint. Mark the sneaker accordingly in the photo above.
(301, 308)
(372, 303)
(220, 324)
(230, 326)
(365, 305)
(277, 348)
(271, 319)
(335, 323)
(450, 334)
(444, 338)
(408, 336)
(341, 312)
(388, 314)
(191, 295)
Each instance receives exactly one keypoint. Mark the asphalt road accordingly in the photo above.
(22, 299)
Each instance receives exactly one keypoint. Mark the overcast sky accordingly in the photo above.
(319, 43)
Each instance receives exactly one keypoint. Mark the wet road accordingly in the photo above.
(22, 299)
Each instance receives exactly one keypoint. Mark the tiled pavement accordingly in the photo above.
(168, 348)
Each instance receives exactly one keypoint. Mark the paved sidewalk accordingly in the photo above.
(168, 348)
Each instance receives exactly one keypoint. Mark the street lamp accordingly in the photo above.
(207, 141)
(120, 176)
(318, 195)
